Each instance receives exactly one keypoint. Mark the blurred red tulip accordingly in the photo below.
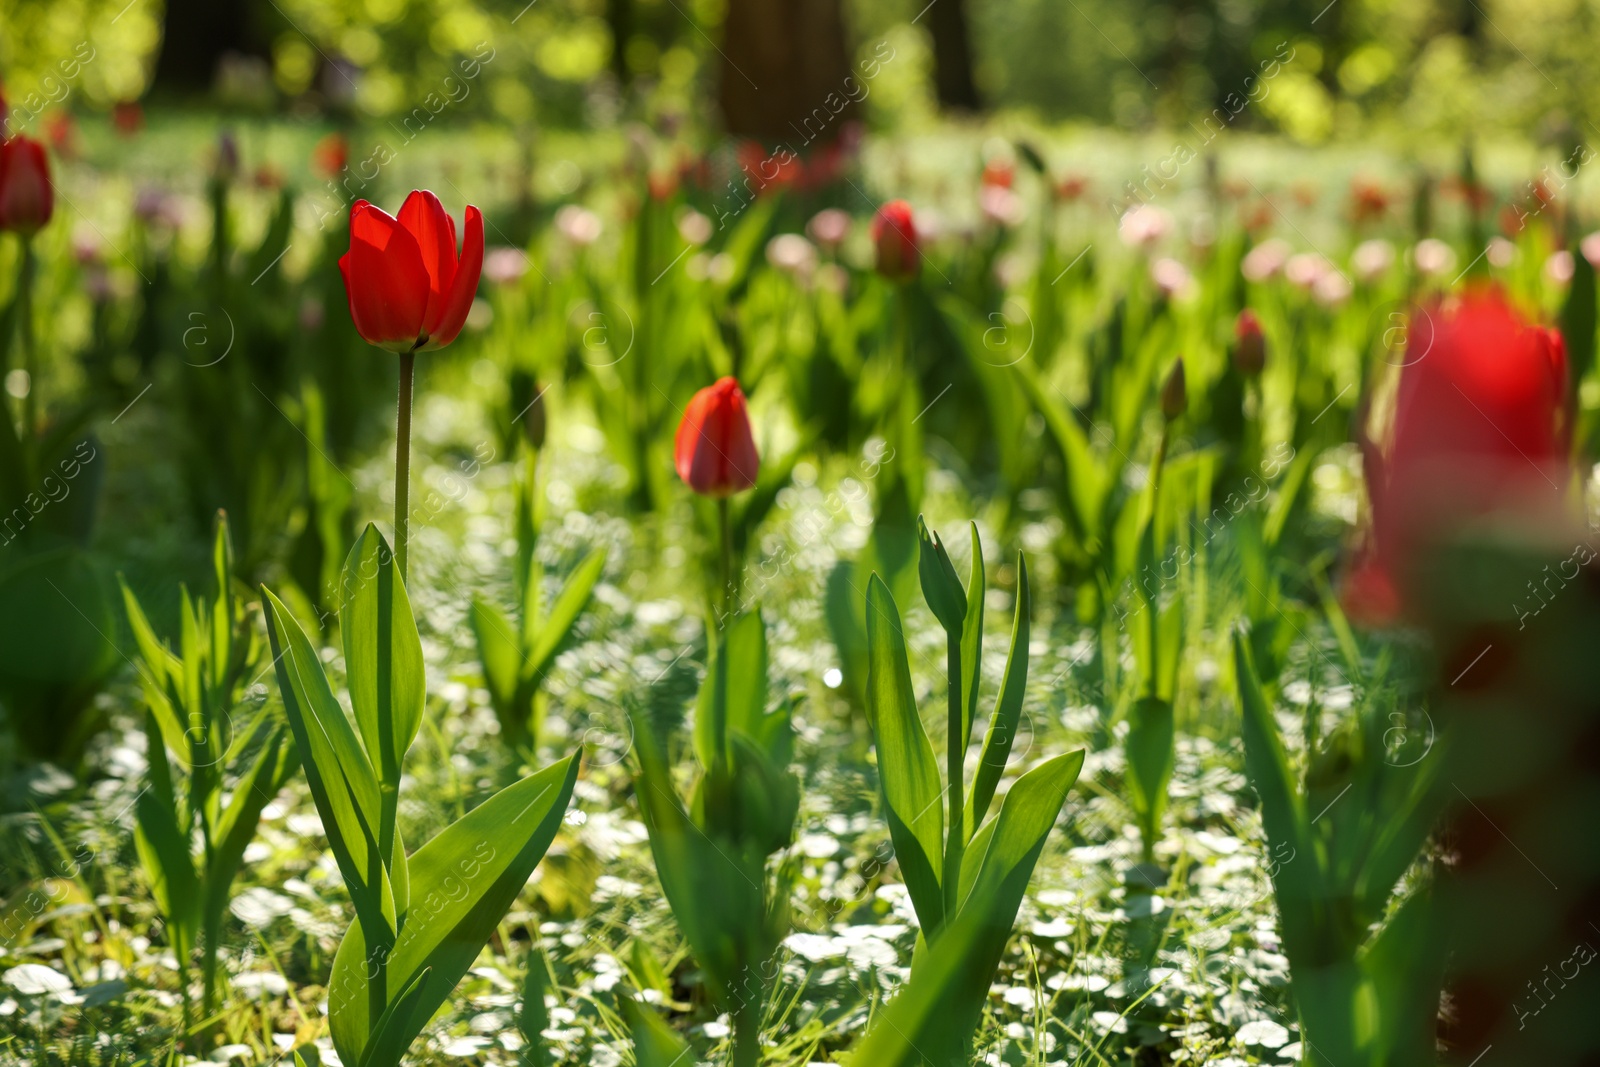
(128, 117)
(1479, 434)
(998, 172)
(60, 131)
(1072, 187)
(330, 155)
(895, 236)
(408, 289)
(1249, 344)
(27, 198)
(715, 452)
(1368, 201)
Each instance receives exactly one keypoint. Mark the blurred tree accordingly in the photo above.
(784, 68)
(952, 56)
(197, 34)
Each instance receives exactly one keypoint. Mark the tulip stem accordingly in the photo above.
(725, 529)
(402, 462)
(26, 340)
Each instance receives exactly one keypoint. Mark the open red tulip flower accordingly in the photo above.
(894, 235)
(409, 290)
(27, 199)
(716, 454)
(1479, 436)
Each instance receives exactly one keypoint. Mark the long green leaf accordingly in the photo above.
(1002, 732)
(342, 784)
(1149, 747)
(275, 763)
(1297, 873)
(709, 891)
(907, 768)
(655, 1044)
(157, 669)
(1028, 813)
(462, 882)
(164, 850)
(383, 655)
(916, 1028)
(972, 645)
(564, 613)
(500, 655)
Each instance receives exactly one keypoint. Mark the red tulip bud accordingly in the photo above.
(408, 289)
(716, 454)
(895, 236)
(1249, 346)
(27, 198)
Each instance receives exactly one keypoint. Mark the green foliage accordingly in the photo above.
(1366, 973)
(712, 852)
(420, 920)
(966, 891)
(190, 843)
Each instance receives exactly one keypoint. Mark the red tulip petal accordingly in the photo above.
(465, 287)
(384, 279)
(435, 231)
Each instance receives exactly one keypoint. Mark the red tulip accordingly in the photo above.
(409, 292)
(27, 198)
(128, 117)
(895, 235)
(330, 155)
(1249, 345)
(1479, 435)
(716, 455)
(998, 172)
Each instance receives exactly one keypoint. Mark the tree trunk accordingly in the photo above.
(784, 71)
(952, 56)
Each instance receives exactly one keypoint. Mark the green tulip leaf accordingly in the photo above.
(907, 768)
(500, 655)
(1149, 747)
(972, 645)
(342, 783)
(655, 1044)
(462, 882)
(383, 658)
(564, 613)
(1002, 732)
(1297, 871)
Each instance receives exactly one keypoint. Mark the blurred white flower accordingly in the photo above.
(792, 254)
(1372, 259)
(1144, 225)
(1265, 260)
(1332, 289)
(578, 224)
(1501, 252)
(1306, 269)
(1263, 1032)
(502, 266)
(1171, 277)
(1590, 246)
(1000, 205)
(694, 227)
(1433, 256)
(829, 227)
(1559, 267)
